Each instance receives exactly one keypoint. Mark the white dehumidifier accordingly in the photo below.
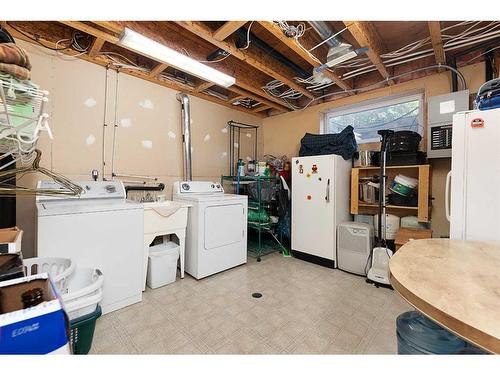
(355, 241)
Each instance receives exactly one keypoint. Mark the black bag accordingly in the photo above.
(343, 144)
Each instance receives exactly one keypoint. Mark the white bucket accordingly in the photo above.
(162, 264)
(391, 226)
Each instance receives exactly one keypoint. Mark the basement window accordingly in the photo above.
(394, 113)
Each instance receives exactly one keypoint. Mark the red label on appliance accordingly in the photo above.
(477, 123)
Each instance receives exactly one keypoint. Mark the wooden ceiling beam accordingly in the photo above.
(311, 59)
(247, 94)
(366, 36)
(264, 66)
(104, 62)
(437, 42)
(203, 86)
(261, 108)
(88, 29)
(96, 47)
(227, 29)
(158, 69)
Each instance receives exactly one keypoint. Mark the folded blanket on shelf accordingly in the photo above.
(17, 71)
(13, 54)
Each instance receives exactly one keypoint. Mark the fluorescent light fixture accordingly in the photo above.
(345, 57)
(157, 51)
(336, 59)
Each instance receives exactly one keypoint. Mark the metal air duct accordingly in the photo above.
(186, 135)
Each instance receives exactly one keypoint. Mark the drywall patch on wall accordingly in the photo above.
(90, 102)
(125, 123)
(249, 158)
(171, 135)
(236, 145)
(90, 140)
(223, 155)
(249, 135)
(147, 144)
(206, 138)
(224, 130)
(146, 104)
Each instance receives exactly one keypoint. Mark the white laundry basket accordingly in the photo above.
(162, 264)
(84, 292)
(59, 269)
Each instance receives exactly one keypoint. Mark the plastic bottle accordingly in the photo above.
(241, 168)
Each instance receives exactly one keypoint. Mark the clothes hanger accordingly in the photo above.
(67, 187)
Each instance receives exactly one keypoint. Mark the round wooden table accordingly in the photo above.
(454, 283)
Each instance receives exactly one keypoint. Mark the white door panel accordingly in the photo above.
(482, 206)
(313, 211)
(223, 225)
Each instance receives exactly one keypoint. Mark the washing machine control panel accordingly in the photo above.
(91, 190)
(198, 187)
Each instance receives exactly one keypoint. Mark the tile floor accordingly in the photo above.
(305, 309)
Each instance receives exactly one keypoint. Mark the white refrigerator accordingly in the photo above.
(320, 201)
(473, 184)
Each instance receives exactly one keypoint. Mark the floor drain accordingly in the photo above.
(256, 295)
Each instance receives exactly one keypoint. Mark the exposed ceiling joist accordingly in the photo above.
(96, 47)
(103, 61)
(88, 29)
(261, 108)
(203, 86)
(263, 64)
(158, 69)
(227, 29)
(290, 43)
(247, 94)
(366, 36)
(437, 41)
(78, 25)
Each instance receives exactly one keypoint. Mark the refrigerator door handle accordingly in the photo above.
(447, 196)
(327, 196)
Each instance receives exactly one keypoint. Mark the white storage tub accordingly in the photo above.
(59, 270)
(162, 264)
(84, 292)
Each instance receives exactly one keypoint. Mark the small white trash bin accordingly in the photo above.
(162, 264)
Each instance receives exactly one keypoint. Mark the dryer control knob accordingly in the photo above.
(185, 186)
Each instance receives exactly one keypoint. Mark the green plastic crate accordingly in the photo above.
(82, 331)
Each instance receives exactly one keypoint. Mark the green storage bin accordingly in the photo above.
(82, 331)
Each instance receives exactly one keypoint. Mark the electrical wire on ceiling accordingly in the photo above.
(384, 81)
(475, 32)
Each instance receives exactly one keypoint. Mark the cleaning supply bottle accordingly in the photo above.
(240, 168)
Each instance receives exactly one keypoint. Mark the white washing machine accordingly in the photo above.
(99, 229)
(216, 235)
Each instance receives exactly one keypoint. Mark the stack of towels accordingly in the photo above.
(14, 61)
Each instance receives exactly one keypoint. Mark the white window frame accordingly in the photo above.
(374, 104)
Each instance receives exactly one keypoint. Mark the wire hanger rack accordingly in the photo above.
(23, 115)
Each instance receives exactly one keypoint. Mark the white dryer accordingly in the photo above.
(100, 229)
(216, 235)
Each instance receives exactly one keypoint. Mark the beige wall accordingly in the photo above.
(282, 133)
(148, 136)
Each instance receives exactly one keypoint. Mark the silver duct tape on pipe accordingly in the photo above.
(186, 135)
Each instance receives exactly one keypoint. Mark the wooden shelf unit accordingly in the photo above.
(421, 172)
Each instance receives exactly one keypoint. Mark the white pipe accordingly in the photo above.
(186, 135)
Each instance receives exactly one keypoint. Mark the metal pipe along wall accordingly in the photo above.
(186, 135)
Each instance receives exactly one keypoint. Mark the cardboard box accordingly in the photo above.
(11, 266)
(407, 234)
(41, 329)
(10, 240)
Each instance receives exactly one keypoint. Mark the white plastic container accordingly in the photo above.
(162, 264)
(84, 292)
(391, 226)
